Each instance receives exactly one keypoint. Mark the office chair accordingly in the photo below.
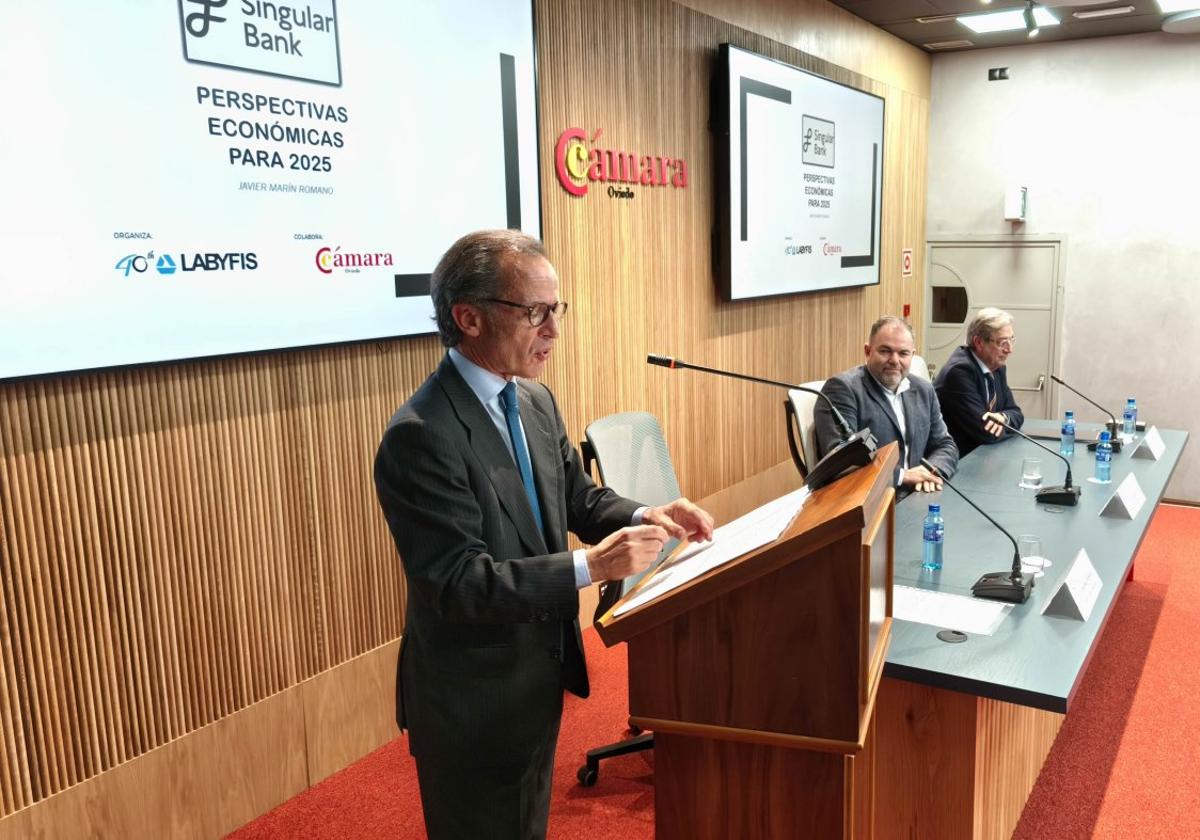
(632, 458)
(919, 368)
(800, 406)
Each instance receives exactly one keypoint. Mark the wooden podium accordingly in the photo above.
(759, 677)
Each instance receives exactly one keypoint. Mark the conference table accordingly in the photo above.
(962, 728)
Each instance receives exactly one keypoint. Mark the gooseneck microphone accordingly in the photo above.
(1065, 494)
(668, 362)
(1113, 427)
(1014, 585)
(855, 450)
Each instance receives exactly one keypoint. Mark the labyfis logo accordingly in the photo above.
(264, 36)
(206, 261)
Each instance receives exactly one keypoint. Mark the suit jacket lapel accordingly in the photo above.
(543, 453)
(911, 413)
(875, 392)
(493, 454)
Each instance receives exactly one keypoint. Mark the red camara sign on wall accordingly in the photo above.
(579, 161)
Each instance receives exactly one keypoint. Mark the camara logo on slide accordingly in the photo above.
(275, 38)
(351, 262)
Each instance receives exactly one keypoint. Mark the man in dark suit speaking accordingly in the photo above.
(479, 485)
(973, 384)
(881, 396)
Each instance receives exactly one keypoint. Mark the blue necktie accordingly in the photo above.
(512, 416)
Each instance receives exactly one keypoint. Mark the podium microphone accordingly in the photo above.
(1113, 427)
(1065, 495)
(855, 450)
(1014, 585)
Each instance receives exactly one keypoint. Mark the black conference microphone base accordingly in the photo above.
(1058, 495)
(852, 453)
(1004, 586)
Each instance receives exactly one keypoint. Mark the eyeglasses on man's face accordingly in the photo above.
(537, 312)
(1004, 343)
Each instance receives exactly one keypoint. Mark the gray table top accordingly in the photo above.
(1032, 660)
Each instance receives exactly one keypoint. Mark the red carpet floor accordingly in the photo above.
(1126, 763)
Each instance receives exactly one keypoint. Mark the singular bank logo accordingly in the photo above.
(831, 250)
(351, 262)
(298, 40)
(208, 261)
(817, 147)
(579, 161)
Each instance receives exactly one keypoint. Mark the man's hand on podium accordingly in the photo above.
(625, 552)
(682, 520)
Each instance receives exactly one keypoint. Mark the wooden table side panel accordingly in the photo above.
(924, 762)
(1013, 742)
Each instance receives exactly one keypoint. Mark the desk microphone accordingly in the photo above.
(1061, 495)
(855, 450)
(1113, 427)
(1011, 586)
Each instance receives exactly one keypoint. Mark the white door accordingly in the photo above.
(1018, 274)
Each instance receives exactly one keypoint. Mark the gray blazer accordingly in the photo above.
(861, 401)
(491, 636)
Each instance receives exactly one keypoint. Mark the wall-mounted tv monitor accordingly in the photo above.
(187, 179)
(800, 179)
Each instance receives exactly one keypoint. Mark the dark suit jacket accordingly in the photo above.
(491, 636)
(962, 391)
(862, 401)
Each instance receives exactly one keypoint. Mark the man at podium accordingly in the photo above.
(880, 395)
(479, 485)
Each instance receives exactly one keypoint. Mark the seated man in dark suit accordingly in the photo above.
(479, 485)
(880, 395)
(973, 384)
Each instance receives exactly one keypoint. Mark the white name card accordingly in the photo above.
(1076, 593)
(1152, 447)
(1127, 501)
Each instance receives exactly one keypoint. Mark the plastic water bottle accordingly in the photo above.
(1066, 445)
(934, 536)
(1104, 458)
(1130, 418)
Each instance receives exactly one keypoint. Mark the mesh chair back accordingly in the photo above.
(632, 457)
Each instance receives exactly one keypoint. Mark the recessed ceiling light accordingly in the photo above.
(949, 45)
(1007, 20)
(1088, 14)
(1171, 6)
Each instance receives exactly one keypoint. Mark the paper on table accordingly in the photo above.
(733, 539)
(944, 609)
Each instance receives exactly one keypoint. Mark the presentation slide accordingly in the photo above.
(805, 180)
(189, 178)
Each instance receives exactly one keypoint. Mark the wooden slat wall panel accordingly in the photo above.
(178, 542)
(637, 272)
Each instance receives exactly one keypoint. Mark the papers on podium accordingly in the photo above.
(744, 534)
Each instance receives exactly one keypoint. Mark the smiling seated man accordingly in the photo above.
(880, 395)
(973, 384)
